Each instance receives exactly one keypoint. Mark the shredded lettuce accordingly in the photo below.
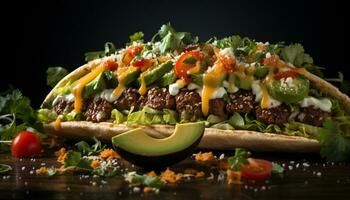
(46, 115)
(117, 116)
(72, 116)
(149, 115)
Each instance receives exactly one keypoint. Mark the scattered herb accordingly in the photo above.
(136, 36)
(335, 145)
(276, 168)
(16, 115)
(54, 75)
(5, 168)
(344, 84)
(240, 158)
(85, 149)
(109, 50)
(151, 181)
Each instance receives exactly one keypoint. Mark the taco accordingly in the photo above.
(250, 94)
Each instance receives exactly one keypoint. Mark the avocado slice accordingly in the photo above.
(139, 148)
(167, 79)
(156, 73)
(132, 76)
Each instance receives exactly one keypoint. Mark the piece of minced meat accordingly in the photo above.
(98, 110)
(277, 115)
(312, 116)
(241, 101)
(127, 99)
(158, 98)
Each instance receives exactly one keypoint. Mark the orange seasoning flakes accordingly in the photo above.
(109, 154)
(147, 189)
(95, 164)
(152, 173)
(233, 177)
(204, 157)
(170, 176)
(200, 174)
(41, 171)
(61, 155)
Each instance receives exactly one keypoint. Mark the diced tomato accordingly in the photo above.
(286, 74)
(274, 61)
(228, 62)
(181, 67)
(111, 65)
(256, 169)
(143, 63)
(131, 52)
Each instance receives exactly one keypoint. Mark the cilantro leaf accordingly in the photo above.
(151, 181)
(136, 36)
(54, 75)
(233, 41)
(106, 169)
(85, 149)
(16, 115)
(335, 146)
(276, 168)
(172, 40)
(344, 84)
(72, 159)
(240, 158)
(109, 50)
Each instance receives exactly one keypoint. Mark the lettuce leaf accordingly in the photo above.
(117, 117)
(149, 116)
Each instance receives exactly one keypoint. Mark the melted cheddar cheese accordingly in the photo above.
(143, 88)
(79, 85)
(211, 81)
(122, 78)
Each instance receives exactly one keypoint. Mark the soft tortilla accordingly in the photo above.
(213, 138)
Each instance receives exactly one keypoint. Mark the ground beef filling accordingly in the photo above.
(313, 116)
(63, 107)
(158, 98)
(241, 102)
(98, 110)
(188, 102)
(277, 115)
(127, 99)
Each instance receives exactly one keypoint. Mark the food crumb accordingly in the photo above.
(318, 174)
(152, 173)
(204, 157)
(61, 155)
(147, 189)
(95, 164)
(41, 171)
(109, 154)
(169, 176)
(211, 177)
(233, 177)
(136, 189)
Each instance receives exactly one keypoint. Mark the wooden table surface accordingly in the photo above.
(305, 177)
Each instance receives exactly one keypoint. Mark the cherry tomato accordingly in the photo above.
(181, 68)
(26, 144)
(256, 169)
(131, 52)
(111, 65)
(286, 74)
(143, 63)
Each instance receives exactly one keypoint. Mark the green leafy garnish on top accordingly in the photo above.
(54, 75)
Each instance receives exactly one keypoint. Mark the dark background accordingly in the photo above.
(37, 35)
